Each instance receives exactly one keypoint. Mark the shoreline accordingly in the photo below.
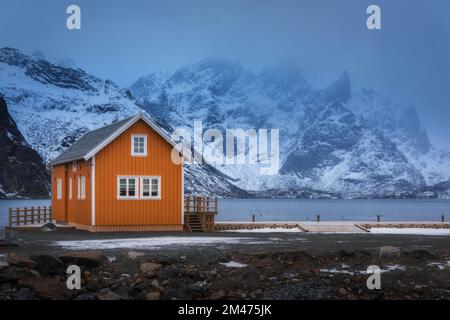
(228, 266)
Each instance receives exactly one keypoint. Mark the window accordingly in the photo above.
(139, 145)
(74, 166)
(81, 187)
(70, 188)
(127, 188)
(150, 187)
(59, 189)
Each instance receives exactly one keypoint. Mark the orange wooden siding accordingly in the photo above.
(58, 205)
(73, 210)
(116, 160)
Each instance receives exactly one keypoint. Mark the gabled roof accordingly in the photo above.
(94, 141)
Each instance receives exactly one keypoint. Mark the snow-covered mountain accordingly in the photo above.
(53, 105)
(22, 172)
(332, 140)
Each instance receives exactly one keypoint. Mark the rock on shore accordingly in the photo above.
(201, 274)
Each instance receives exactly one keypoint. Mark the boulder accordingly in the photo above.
(21, 261)
(25, 294)
(48, 227)
(420, 254)
(86, 296)
(148, 267)
(48, 265)
(3, 265)
(88, 259)
(389, 252)
(153, 295)
(107, 294)
(134, 254)
(218, 295)
(46, 288)
(175, 294)
(12, 274)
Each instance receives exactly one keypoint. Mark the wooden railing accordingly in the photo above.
(205, 208)
(200, 204)
(29, 216)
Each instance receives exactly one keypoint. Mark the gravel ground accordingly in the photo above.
(227, 266)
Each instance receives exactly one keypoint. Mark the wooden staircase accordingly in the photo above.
(194, 223)
(199, 213)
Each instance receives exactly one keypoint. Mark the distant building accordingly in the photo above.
(119, 178)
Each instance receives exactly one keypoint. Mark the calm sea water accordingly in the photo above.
(332, 210)
(303, 210)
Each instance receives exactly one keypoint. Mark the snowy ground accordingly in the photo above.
(151, 243)
(418, 231)
(266, 230)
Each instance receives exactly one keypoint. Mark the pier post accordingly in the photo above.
(378, 218)
(10, 217)
(442, 218)
(253, 218)
(318, 218)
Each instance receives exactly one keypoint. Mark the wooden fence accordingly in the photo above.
(29, 216)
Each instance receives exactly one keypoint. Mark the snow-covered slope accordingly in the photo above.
(22, 171)
(402, 125)
(54, 105)
(331, 140)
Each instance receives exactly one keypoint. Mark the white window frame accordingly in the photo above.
(74, 166)
(83, 188)
(70, 188)
(59, 188)
(136, 181)
(141, 185)
(133, 154)
(79, 188)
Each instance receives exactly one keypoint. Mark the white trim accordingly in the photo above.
(93, 191)
(133, 154)
(74, 166)
(182, 192)
(141, 187)
(136, 178)
(122, 129)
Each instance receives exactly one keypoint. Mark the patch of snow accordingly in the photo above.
(418, 231)
(388, 268)
(393, 268)
(233, 264)
(266, 230)
(149, 243)
(334, 270)
(10, 136)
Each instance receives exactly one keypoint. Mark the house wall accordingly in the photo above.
(74, 210)
(116, 160)
(79, 210)
(58, 206)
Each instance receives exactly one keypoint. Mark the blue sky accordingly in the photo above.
(122, 40)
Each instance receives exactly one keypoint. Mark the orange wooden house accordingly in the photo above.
(119, 178)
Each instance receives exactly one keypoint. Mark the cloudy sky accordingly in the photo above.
(409, 59)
